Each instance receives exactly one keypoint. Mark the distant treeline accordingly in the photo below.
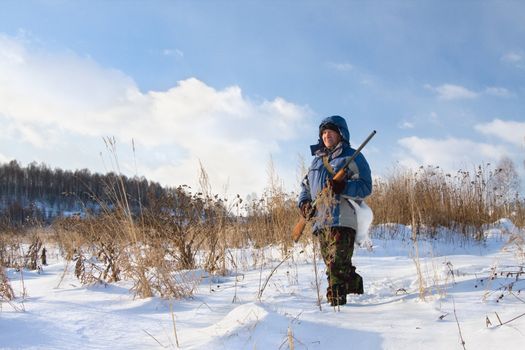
(37, 192)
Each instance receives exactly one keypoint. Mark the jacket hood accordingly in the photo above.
(340, 123)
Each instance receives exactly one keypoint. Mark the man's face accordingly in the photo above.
(330, 138)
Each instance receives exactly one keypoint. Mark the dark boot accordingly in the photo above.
(354, 283)
(336, 295)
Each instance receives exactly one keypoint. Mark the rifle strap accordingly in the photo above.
(328, 166)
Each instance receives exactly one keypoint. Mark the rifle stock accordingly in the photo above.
(339, 176)
(298, 229)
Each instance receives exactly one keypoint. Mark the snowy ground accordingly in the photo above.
(225, 312)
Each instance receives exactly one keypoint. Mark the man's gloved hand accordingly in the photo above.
(337, 186)
(307, 211)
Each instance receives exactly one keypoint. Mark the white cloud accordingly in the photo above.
(508, 130)
(341, 66)
(173, 52)
(498, 91)
(44, 97)
(452, 92)
(430, 120)
(4, 159)
(406, 125)
(514, 57)
(455, 92)
(451, 153)
(434, 118)
(27, 133)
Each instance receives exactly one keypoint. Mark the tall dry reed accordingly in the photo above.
(431, 198)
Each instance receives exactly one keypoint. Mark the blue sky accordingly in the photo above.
(233, 84)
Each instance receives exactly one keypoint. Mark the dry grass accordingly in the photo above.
(428, 200)
(177, 232)
(6, 291)
(181, 231)
(431, 199)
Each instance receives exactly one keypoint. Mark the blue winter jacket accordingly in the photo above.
(358, 185)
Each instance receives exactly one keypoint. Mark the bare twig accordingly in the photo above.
(158, 342)
(261, 290)
(499, 319)
(290, 338)
(63, 274)
(459, 327)
(317, 282)
(509, 321)
(174, 324)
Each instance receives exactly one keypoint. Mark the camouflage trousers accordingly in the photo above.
(337, 248)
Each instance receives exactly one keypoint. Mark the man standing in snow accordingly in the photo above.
(334, 215)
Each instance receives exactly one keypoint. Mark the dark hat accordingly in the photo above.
(330, 126)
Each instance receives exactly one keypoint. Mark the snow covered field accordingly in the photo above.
(470, 289)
